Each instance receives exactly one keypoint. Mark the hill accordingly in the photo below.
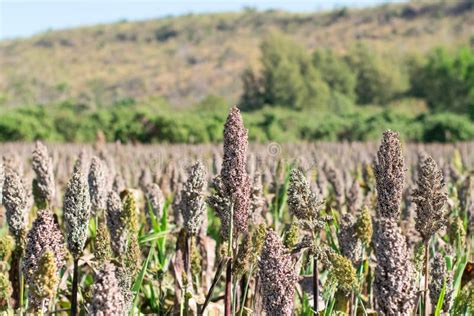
(188, 57)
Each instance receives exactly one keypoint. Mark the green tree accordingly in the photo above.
(446, 80)
(335, 72)
(379, 79)
(288, 76)
(252, 96)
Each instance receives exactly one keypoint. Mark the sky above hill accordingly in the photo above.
(24, 18)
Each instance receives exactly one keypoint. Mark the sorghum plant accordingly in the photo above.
(44, 236)
(430, 199)
(231, 199)
(278, 276)
(76, 209)
(15, 203)
(394, 274)
(306, 206)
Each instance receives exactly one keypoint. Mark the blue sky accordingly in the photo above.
(25, 18)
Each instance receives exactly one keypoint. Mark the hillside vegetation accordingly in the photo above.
(340, 75)
(186, 58)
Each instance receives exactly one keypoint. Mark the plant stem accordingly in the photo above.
(425, 293)
(244, 297)
(14, 276)
(75, 280)
(315, 285)
(228, 289)
(228, 274)
(217, 276)
(22, 286)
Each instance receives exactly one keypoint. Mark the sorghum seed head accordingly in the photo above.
(221, 204)
(118, 234)
(364, 226)
(44, 186)
(193, 206)
(235, 179)
(15, 202)
(129, 215)
(430, 199)
(6, 247)
(394, 274)
(334, 177)
(97, 180)
(5, 292)
(155, 201)
(118, 184)
(257, 200)
(369, 178)
(302, 202)
(107, 296)
(419, 256)
(278, 276)
(291, 236)
(45, 280)
(343, 272)
(350, 245)
(439, 275)
(44, 236)
(456, 232)
(389, 175)
(76, 209)
(353, 197)
(102, 252)
(132, 259)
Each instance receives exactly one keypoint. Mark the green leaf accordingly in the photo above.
(152, 236)
(458, 274)
(139, 280)
(439, 305)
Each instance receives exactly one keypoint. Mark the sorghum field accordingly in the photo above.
(380, 228)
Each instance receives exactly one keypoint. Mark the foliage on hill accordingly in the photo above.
(341, 75)
(325, 81)
(186, 58)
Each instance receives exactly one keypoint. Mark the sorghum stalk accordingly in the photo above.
(15, 202)
(394, 274)
(426, 272)
(76, 210)
(430, 199)
(231, 199)
(315, 285)
(193, 209)
(75, 280)
(306, 206)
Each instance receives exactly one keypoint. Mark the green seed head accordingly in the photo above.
(343, 271)
(102, 252)
(364, 227)
(5, 292)
(6, 247)
(457, 233)
(291, 236)
(45, 278)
